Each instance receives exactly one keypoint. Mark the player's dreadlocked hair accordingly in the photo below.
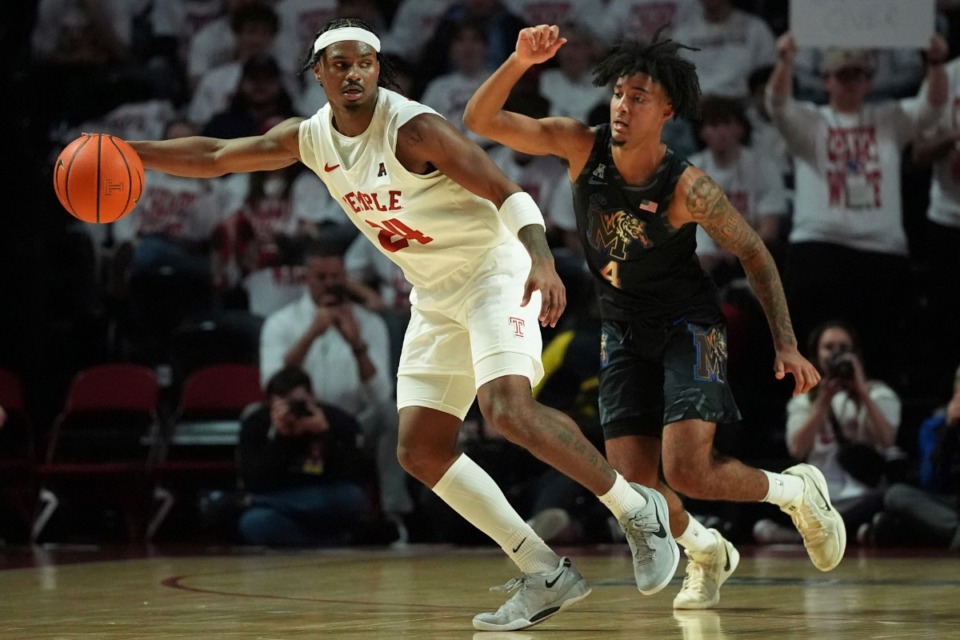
(659, 60)
(388, 75)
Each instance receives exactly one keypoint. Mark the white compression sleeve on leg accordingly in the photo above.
(472, 493)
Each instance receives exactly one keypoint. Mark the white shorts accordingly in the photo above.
(480, 334)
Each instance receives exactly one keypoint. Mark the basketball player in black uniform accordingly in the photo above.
(663, 385)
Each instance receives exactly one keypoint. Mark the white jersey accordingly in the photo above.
(727, 52)
(427, 224)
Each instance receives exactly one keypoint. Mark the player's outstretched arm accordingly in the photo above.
(204, 157)
(704, 202)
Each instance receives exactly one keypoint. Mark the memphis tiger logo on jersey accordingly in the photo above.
(612, 233)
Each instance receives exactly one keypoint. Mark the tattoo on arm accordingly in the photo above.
(709, 207)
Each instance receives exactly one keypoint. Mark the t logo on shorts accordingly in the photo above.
(518, 324)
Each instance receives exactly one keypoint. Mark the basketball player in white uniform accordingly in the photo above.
(472, 244)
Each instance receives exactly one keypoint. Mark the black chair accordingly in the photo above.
(159, 301)
(225, 337)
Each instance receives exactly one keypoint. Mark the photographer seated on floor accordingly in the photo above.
(301, 468)
(846, 426)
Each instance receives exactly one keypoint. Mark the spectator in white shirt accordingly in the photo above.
(449, 93)
(752, 183)
(731, 42)
(847, 248)
(346, 351)
(254, 28)
(569, 86)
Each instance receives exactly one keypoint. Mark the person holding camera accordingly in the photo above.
(345, 349)
(299, 463)
(846, 426)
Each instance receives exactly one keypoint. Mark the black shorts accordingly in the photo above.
(654, 376)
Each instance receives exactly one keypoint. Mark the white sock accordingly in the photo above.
(472, 493)
(696, 537)
(783, 489)
(622, 498)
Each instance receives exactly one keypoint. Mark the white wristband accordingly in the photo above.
(519, 210)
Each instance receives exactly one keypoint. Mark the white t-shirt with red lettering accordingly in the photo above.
(439, 233)
(847, 170)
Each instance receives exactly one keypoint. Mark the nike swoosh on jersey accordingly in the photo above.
(328, 168)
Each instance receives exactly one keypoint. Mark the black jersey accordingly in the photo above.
(647, 270)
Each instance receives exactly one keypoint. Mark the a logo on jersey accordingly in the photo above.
(597, 176)
(330, 167)
(518, 325)
(382, 172)
(711, 345)
(613, 233)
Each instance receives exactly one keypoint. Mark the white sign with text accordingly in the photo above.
(862, 23)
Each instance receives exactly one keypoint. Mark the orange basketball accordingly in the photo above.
(98, 178)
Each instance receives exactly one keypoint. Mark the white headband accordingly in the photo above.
(346, 33)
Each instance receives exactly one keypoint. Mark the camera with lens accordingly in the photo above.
(339, 294)
(299, 408)
(838, 365)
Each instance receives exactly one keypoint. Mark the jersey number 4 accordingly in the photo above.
(611, 273)
(394, 235)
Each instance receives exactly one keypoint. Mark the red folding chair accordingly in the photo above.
(100, 444)
(200, 445)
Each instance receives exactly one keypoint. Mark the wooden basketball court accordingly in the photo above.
(433, 592)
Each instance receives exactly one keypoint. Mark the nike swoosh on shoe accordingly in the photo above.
(662, 533)
(826, 503)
